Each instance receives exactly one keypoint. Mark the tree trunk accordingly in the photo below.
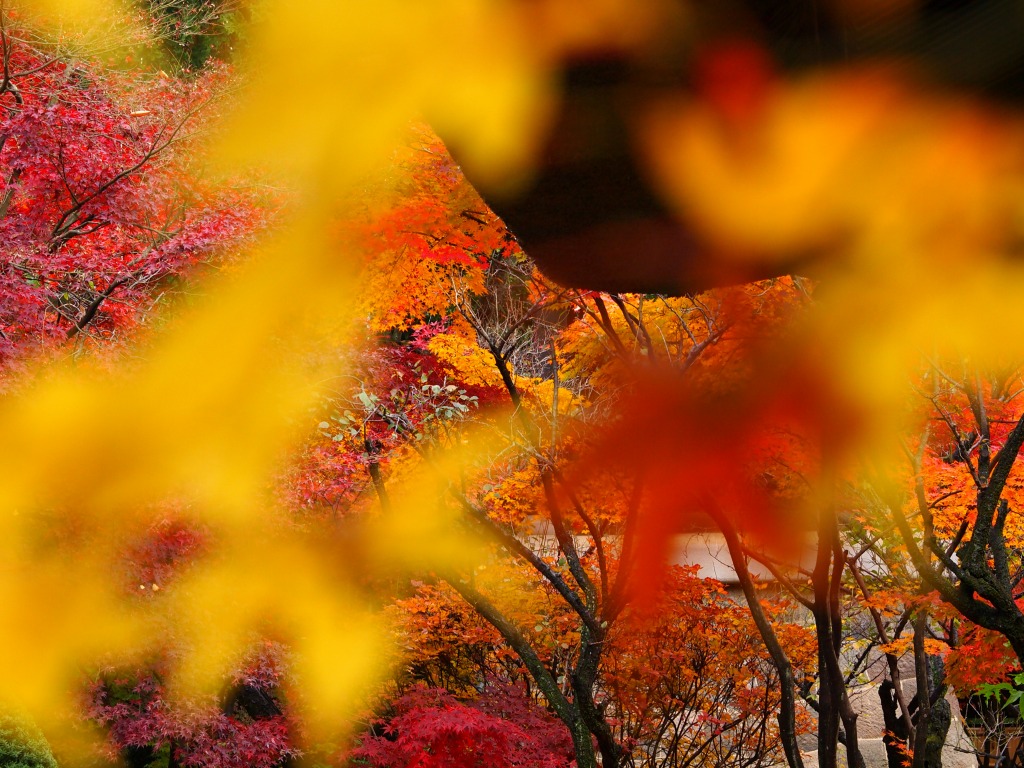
(583, 744)
(833, 701)
(828, 709)
(940, 714)
(584, 678)
(923, 692)
(939, 720)
(568, 711)
(787, 685)
(896, 731)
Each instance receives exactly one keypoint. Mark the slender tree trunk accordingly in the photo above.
(828, 711)
(936, 718)
(787, 683)
(834, 700)
(923, 691)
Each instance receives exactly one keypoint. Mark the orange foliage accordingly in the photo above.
(691, 666)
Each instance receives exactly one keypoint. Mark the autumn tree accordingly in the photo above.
(959, 504)
(104, 220)
(496, 329)
(100, 211)
(882, 570)
(502, 728)
(969, 556)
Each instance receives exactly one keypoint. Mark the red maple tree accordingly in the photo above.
(100, 212)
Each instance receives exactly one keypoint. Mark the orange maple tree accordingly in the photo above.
(577, 535)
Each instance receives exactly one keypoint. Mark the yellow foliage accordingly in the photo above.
(204, 419)
(470, 363)
(844, 157)
(340, 101)
(541, 393)
(399, 290)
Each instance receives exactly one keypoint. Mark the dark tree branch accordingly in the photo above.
(94, 306)
(520, 550)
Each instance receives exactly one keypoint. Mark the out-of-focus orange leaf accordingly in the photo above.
(762, 455)
(833, 162)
